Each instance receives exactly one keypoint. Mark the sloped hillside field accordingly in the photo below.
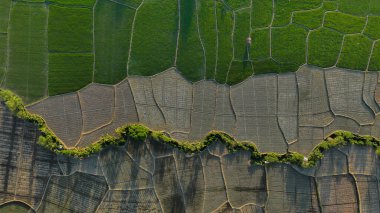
(190, 106)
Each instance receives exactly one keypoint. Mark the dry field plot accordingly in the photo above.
(154, 177)
(276, 112)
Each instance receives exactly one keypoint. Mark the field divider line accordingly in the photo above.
(131, 37)
(370, 55)
(93, 40)
(217, 39)
(178, 32)
(200, 39)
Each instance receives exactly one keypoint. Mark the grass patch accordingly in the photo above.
(355, 52)
(374, 64)
(374, 7)
(88, 3)
(289, 44)
(138, 133)
(154, 37)
(113, 26)
(225, 24)
(3, 54)
(239, 71)
(70, 29)
(372, 29)
(355, 7)
(207, 28)
(282, 13)
(236, 4)
(5, 6)
(330, 5)
(260, 47)
(242, 30)
(270, 66)
(324, 47)
(261, 13)
(344, 23)
(190, 61)
(311, 19)
(284, 8)
(28, 56)
(69, 72)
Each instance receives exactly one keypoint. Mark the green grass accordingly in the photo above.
(344, 23)
(260, 47)
(69, 72)
(225, 23)
(374, 7)
(113, 27)
(330, 5)
(242, 30)
(240, 70)
(236, 4)
(207, 28)
(28, 58)
(130, 3)
(355, 7)
(324, 47)
(282, 12)
(3, 54)
(190, 59)
(70, 29)
(88, 3)
(4, 15)
(261, 13)
(284, 8)
(355, 52)
(154, 37)
(374, 64)
(289, 44)
(311, 19)
(270, 66)
(372, 29)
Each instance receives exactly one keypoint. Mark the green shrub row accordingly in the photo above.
(140, 133)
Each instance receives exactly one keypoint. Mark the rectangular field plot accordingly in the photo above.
(225, 20)
(70, 29)
(144, 200)
(3, 54)
(241, 33)
(208, 32)
(69, 72)
(78, 192)
(88, 3)
(28, 59)
(337, 194)
(113, 26)
(290, 191)
(154, 37)
(190, 61)
(355, 52)
(5, 6)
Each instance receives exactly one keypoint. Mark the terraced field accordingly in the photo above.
(154, 177)
(55, 47)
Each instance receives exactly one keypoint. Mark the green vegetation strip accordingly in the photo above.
(139, 133)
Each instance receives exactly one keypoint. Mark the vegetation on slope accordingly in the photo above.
(140, 133)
